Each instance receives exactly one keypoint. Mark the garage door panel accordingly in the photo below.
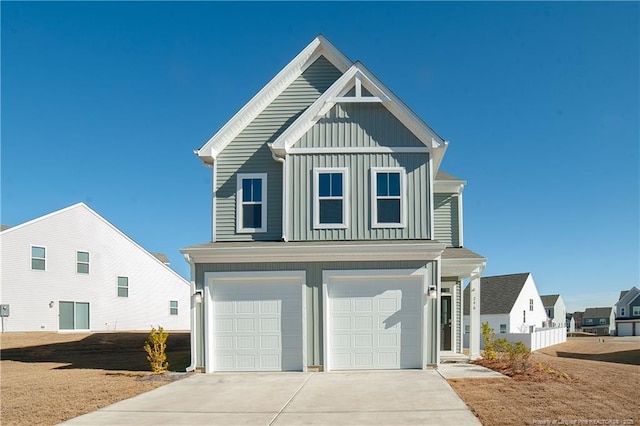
(375, 323)
(258, 326)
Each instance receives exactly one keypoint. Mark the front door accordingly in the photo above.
(445, 323)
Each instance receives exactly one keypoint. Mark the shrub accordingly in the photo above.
(488, 339)
(518, 354)
(156, 348)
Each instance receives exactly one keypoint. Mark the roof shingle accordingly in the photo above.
(498, 293)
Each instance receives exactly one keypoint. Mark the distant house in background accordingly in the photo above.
(71, 270)
(509, 303)
(555, 308)
(627, 312)
(600, 321)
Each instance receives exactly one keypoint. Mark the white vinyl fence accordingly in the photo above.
(540, 338)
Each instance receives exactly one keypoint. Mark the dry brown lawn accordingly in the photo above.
(47, 378)
(581, 382)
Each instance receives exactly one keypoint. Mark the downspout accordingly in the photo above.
(193, 314)
(282, 160)
(214, 182)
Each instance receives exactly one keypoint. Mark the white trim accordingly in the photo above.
(214, 182)
(344, 171)
(31, 258)
(118, 286)
(403, 197)
(432, 208)
(460, 221)
(327, 275)
(355, 99)
(360, 150)
(298, 277)
(240, 203)
(319, 46)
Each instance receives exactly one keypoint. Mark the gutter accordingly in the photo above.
(282, 160)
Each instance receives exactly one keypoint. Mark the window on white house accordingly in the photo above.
(531, 304)
(251, 202)
(331, 186)
(82, 262)
(503, 328)
(524, 316)
(123, 286)
(603, 321)
(173, 307)
(636, 311)
(38, 258)
(466, 329)
(388, 188)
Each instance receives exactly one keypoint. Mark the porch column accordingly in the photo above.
(474, 317)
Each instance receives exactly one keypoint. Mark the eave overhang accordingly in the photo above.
(314, 252)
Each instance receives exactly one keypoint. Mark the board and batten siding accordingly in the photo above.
(358, 125)
(359, 212)
(249, 153)
(446, 219)
(314, 305)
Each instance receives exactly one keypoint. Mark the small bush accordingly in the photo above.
(518, 354)
(156, 348)
(488, 338)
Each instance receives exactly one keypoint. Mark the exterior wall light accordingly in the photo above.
(433, 292)
(197, 296)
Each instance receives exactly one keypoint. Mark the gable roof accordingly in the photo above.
(498, 294)
(3, 227)
(319, 46)
(83, 206)
(549, 299)
(597, 313)
(333, 95)
(440, 175)
(161, 257)
(628, 296)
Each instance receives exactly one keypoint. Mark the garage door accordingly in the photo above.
(374, 323)
(625, 329)
(257, 325)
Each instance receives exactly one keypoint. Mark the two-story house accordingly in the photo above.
(555, 308)
(510, 304)
(600, 321)
(72, 270)
(337, 242)
(628, 313)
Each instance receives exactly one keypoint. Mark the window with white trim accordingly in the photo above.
(603, 321)
(467, 329)
(173, 307)
(503, 328)
(38, 258)
(531, 304)
(388, 197)
(524, 316)
(621, 312)
(251, 202)
(588, 321)
(123, 286)
(331, 186)
(82, 262)
(636, 311)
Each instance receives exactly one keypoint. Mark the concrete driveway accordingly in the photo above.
(340, 398)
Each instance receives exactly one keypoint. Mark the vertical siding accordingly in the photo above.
(314, 289)
(249, 153)
(459, 330)
(359, 166)
(359, 125)
(446, 227)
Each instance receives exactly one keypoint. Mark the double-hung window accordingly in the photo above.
(82, 262)
(331, 187)
(251, 202)
(38, 258)
(531, 304)
(389, 199)
(123, 286)
(636, 311)
(173, 307)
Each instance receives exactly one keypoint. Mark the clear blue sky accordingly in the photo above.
(105, 102)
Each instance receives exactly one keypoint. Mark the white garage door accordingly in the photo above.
(375, 323)
(625, 329)
(257, 326)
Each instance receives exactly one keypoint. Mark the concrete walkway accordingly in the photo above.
(407, 397)
(467, 371)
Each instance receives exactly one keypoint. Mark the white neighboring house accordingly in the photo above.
(556, 309)
(72, 270)
(509, 303)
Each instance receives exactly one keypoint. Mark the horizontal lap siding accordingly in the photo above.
(314, 304)
(359, 213)
(249, 153)
(359, 125)
(446, 222)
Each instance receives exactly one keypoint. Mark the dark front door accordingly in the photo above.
(445, 323)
